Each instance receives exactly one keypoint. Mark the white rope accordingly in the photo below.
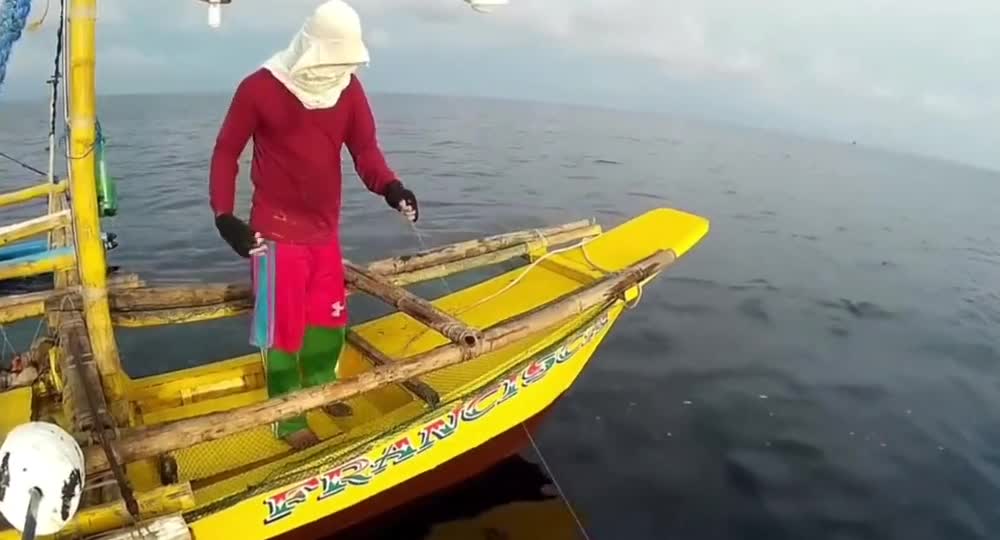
(552, 475)
(6, 344)
(581, 245)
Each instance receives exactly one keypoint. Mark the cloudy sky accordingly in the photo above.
(914, 75)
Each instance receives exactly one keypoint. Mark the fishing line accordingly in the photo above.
(22, 164)
(538, 450)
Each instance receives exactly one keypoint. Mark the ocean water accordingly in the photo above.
(824, 365)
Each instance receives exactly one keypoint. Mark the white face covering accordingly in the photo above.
(319, 62)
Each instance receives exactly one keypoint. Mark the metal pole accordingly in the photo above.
(32, 518)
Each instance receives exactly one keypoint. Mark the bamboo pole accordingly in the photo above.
(147, 442)
(177, 297)
(178, 304)
(412, 305)
(186, 315)
(30, 193)
(470, 248)
(59, 238)
(79, 375)
(91, 266)
(85, 400)
(428, 273)
(31, 227)
(25, 306)
(52, 261)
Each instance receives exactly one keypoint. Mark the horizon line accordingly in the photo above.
(673, 115)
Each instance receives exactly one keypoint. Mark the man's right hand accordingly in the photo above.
(238, 235)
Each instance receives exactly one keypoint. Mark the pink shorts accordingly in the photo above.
(296, 286)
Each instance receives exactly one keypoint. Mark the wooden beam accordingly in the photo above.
(177, 304)
(178, 297)
(147, 442)
(30, 193)
(31, 227)
(25, 306)
(377, 358)
(188, 315)
(470, 248)
(33, 265)
(488, 259)
(412, 305)
(84, 397)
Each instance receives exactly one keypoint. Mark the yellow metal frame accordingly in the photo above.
(91, 264)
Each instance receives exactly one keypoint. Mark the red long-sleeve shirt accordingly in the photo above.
(296, 167)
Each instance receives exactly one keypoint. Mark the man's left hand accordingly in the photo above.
(402, 200)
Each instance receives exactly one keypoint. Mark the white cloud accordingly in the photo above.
(891, 64)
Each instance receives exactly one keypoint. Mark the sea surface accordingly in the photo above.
(824, 365)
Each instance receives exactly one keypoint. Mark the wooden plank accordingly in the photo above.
(31, 227)
(416, 386)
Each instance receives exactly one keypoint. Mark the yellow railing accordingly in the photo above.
(30, 193)
(31, 227)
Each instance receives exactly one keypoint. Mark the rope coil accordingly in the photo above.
(13, 19)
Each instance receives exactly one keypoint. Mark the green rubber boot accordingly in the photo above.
(283, 377)
(320, 354)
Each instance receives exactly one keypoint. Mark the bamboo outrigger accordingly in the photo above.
(440, 389)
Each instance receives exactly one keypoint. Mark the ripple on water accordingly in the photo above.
(859, 310)
(644, 195)
(753, 308)
(688, 309)
(979, 357)
(755, 284)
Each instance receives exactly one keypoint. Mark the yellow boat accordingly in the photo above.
(440, 389)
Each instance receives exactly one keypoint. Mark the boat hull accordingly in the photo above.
(456, 471)
(455, 441)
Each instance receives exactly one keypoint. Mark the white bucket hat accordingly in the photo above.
(319, 61)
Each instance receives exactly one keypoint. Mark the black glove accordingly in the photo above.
(396, 193)
(237, 234)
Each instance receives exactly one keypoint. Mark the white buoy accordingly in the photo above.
(41, 470)
(486, 6)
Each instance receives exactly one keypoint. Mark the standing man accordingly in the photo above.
(301, 107)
